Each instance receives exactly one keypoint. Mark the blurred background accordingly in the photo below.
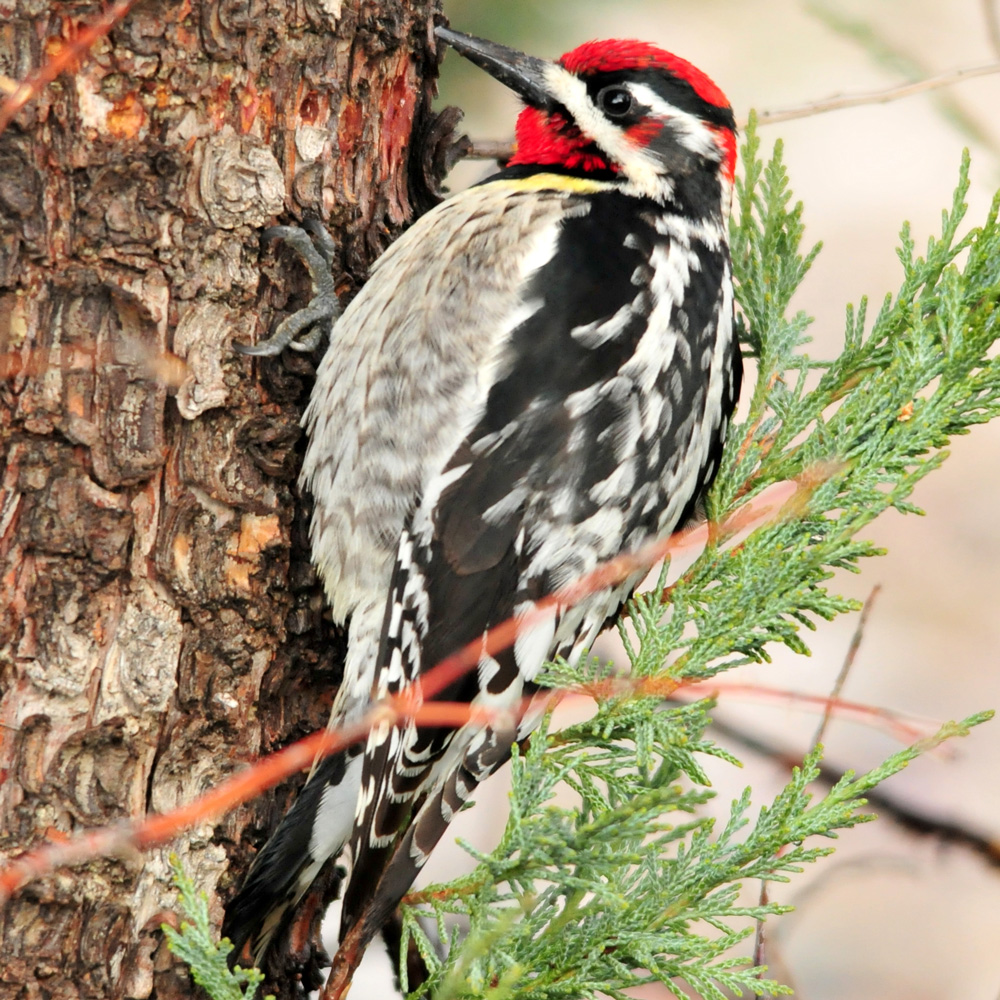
(891, 915)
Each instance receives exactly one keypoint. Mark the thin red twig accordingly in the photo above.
(904, 727)
(167, 367)
(775, 506)
(413, 704)
(276, 767)
(157, 829)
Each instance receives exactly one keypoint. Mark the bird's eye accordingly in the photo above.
(615, 102)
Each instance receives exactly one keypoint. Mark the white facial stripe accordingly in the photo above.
(639, 166)
(688, 128)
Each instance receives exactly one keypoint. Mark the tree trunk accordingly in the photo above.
(159, 620)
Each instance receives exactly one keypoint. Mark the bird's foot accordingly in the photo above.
(316, 247)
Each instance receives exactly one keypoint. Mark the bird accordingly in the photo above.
(538, 376)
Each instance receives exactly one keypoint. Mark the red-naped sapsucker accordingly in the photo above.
(537, 377)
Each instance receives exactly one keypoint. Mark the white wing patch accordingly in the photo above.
(533, 645)
(506, 506)
(598, 333)
(335, 816)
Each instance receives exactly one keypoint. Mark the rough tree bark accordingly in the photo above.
(159, 621)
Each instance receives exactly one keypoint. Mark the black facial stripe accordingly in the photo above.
(636, 113)
(672, 89)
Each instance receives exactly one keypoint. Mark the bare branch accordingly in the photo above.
(489, 149)
(852, 652)
(946, 829)
(759, 937)
(840, 101)
(492, 149)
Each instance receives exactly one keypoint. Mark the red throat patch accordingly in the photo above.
(550, 138)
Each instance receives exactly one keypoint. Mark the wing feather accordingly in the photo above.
(539, 491)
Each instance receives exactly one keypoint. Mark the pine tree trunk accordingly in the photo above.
(159, 620)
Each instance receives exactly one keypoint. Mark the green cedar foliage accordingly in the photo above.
(195, 944)
(633, 885)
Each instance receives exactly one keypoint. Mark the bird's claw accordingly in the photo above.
(316, 247)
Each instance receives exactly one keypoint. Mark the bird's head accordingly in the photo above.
(617, 107)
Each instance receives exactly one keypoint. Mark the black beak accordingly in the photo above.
(525, 75)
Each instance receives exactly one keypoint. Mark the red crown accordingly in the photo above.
(618, 54)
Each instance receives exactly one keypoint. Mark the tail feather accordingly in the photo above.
(320, 821)
(312, 833)
(371, 898)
